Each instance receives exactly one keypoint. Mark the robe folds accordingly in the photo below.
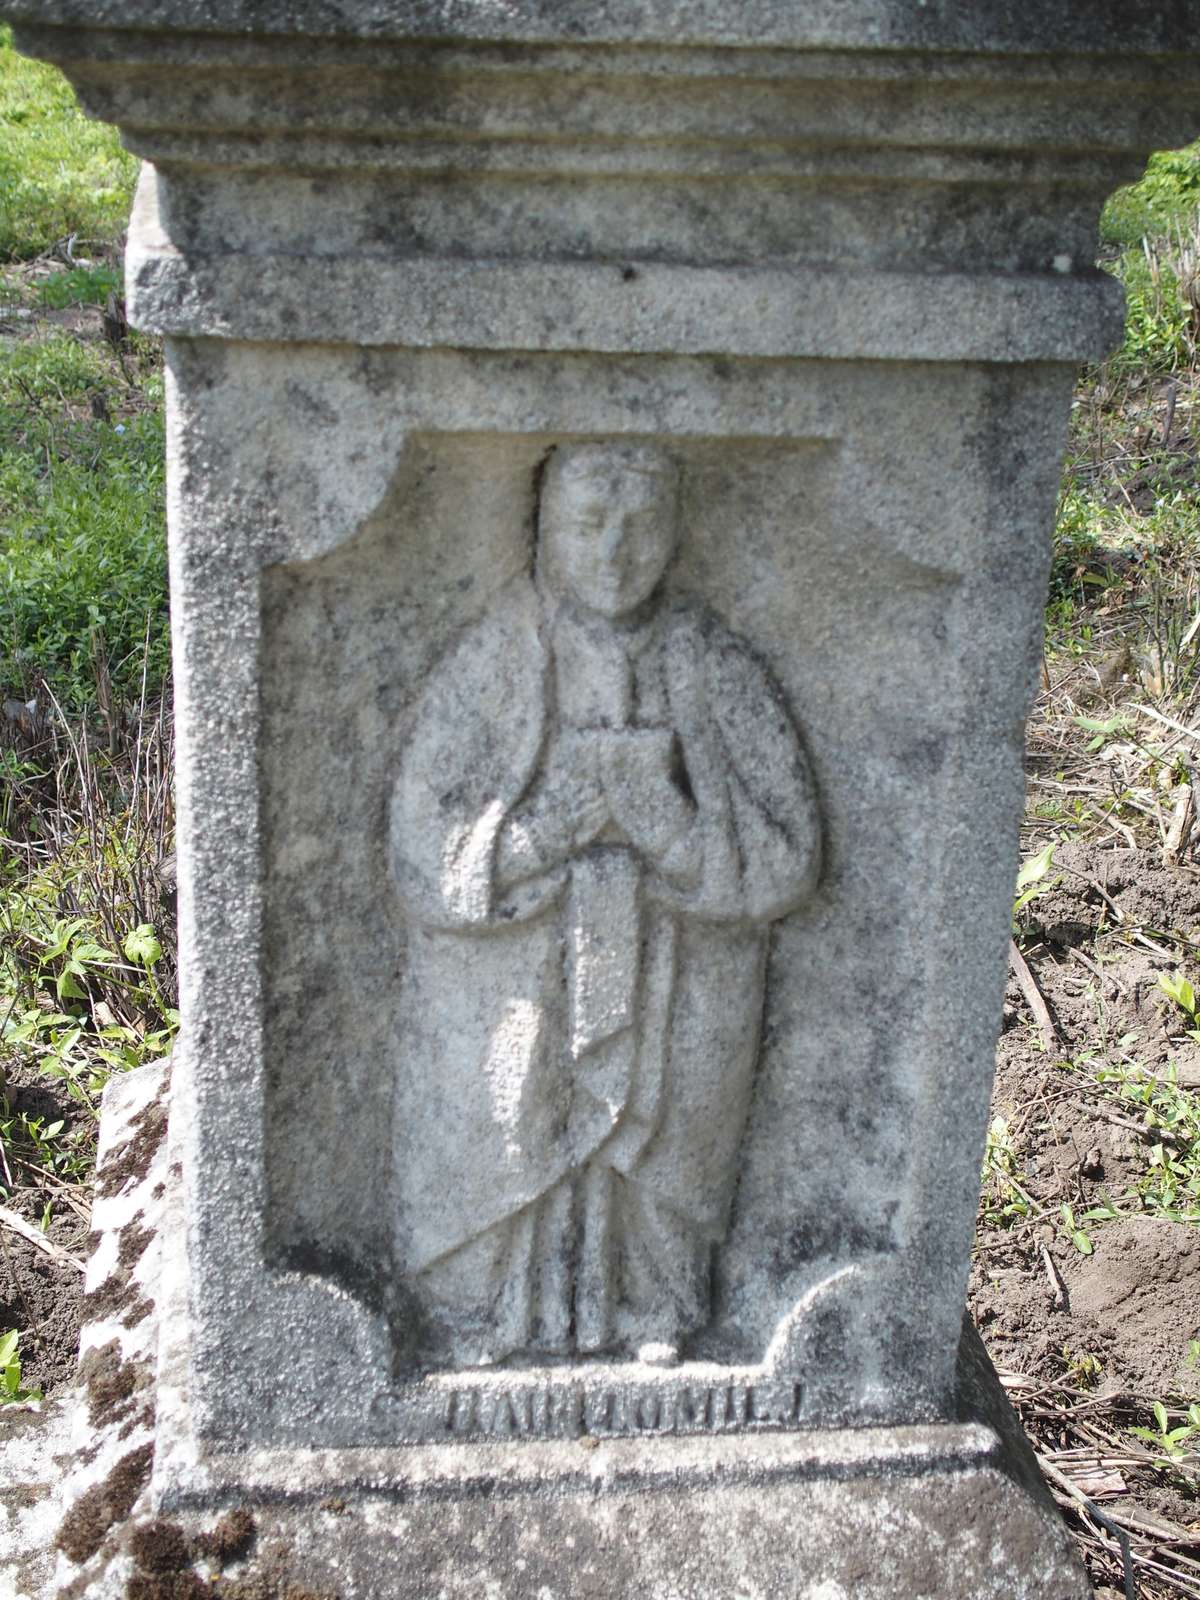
(580, 1024)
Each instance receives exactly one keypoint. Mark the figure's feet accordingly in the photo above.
(658, 1354)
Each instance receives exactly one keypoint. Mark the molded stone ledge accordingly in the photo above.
(1023, 26)
(585, 306)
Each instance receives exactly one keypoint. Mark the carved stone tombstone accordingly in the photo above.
(612, 451)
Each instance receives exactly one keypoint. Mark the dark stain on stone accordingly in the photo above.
(230, 1539)
(104, 1303)
(167, 1586)
(118, 1293)
(159, 1546)
(84, 1527)
(141, 1419)
(138, 1312)
(110, 1384)
(270, 1580)
(131, 1162)
(25, 1495)
(259, 1586)
(134, 1241)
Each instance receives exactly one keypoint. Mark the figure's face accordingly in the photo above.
(612, 529)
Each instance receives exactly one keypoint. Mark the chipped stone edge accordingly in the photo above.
(100, 1450)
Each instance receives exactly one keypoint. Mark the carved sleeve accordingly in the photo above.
(754, 849)
(473, 746)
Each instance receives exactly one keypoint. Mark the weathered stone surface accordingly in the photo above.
(35, 1451)
(591, 975)
(104, 1471)
(951, 1509)
(869, 582)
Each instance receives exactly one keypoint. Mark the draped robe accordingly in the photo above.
(581, 1023)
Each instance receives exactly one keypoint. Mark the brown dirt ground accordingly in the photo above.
(38, 1295)
(1086, 1343)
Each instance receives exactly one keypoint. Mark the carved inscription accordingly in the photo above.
(601, 809)
(571, 1410)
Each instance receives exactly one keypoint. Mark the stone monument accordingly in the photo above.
(612, 451)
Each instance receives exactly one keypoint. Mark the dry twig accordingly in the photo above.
(1033, 997)
(26, 1230)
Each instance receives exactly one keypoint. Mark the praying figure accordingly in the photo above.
(602, 807)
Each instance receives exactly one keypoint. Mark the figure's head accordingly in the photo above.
(609, 519)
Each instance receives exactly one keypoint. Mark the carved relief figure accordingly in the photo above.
(602, 807)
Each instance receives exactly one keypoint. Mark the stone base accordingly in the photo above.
(949, 1510)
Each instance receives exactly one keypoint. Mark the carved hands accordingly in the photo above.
(596, 780)
(636, 766)
(564, 813)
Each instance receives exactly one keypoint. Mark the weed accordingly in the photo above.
(30, 1144)
(1083, 1368)
(1077, 1236)
(80, 286)
(1006, 1201)
(1033, 882)
(1152, 227)
(1176, 1443)
(87, 965)
(10, 1371)
(1160, 323)
(1179, 989)
(1167, 191)
(1170, 1185)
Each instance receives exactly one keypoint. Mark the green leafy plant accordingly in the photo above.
(1033, 881)
(1078, 1236)
(87, 960)
(32, 1145)
(1168, 190)
(1083, 1368)
(11, 1390)
(1179, 989)
(1104, 729)
(1159, 324)
(83, 582)
(1170, 1184)
(1005, 1198)
(79, 286)
(1176, 1443)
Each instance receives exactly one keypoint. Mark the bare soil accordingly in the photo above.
(38, 1294)
(1089, 1334)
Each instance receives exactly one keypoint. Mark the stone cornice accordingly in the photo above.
(591, 176)
(1000, 26)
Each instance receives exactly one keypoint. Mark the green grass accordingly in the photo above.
(82, 554)
(86, 814)
(1150, 229)
(60, 174)
(1127, 538)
